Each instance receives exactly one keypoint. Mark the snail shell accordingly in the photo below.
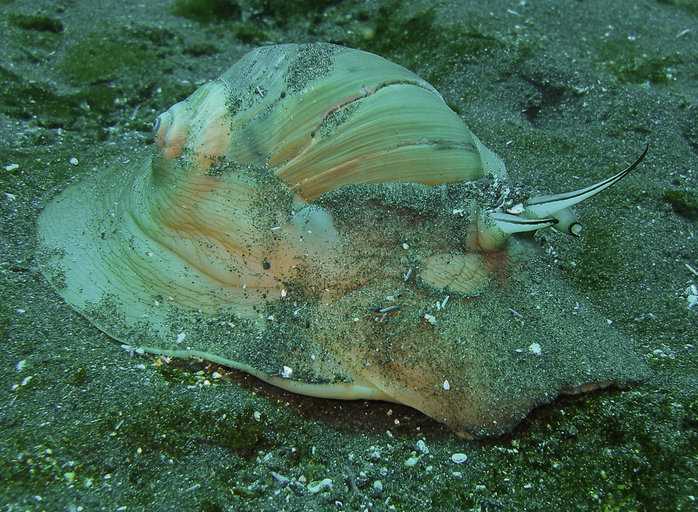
(267, 231)
(322, 117)
(317, 117)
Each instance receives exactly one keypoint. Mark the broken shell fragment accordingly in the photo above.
(269, 220)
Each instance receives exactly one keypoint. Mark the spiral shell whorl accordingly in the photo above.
(198, 126)
(321, 117)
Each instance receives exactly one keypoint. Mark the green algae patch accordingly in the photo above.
(418, 38)
(100, 57)
(689, 6)
(631, 65)
(24, 100)
(623, 448)
(653, 69)
(41, 467)
(36, 22)
(684, 202)
(208, 11)
(89, 110)
(173, 427)
(108, 69)
(283, 13)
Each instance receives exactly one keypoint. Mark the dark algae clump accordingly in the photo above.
(684, 202)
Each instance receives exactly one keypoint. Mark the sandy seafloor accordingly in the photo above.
(565, 92)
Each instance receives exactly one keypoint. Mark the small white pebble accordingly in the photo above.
(316, 487)
(411, 462)
(280, 478)
(692, 300)
(691, 295)
(534, 348)
(459, 458)
(73, 161)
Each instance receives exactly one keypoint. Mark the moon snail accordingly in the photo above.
(318, 217)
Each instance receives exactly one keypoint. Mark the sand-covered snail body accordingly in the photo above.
(317, 216)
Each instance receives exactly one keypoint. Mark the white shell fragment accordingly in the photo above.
(459, 458)
(320, 486)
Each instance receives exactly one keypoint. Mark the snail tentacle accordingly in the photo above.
(493, 228)
(557, 205)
